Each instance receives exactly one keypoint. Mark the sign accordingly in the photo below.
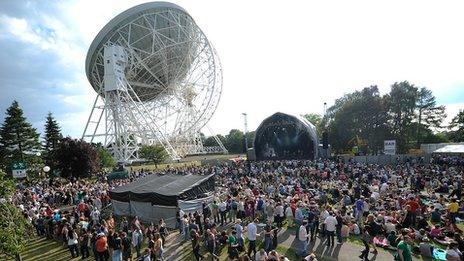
(389, 147)
(18, 170)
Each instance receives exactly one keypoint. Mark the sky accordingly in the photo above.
(289, 56)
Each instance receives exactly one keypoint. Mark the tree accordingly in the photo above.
(402, 101)
(428, 114)
(106, 159)
(358, 119)
(52, 134)
(211, 142)
(51, 139)
(76, 158)
(316, 120)
(235, 141)
(457, 127)
(18, 139)
(14, 228)
(155, 153)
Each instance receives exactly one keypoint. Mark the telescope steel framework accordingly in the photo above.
(158, 81)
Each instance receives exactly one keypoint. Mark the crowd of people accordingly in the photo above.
(411, 208)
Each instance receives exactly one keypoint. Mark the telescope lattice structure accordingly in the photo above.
(158, 81)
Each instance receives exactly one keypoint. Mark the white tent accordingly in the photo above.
(451, 149)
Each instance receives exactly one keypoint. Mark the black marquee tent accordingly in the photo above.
(285, 136)
(154, 197)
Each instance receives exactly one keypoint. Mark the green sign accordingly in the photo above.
(18, 166)
(18, 170)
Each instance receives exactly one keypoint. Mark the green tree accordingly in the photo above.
(106, 159)
(14, 228)
(428, 114)
(457, 127)
(211, 142)
(52, 134)
(76, 158)
(402, 101)
(155, 153)
(316, 120)
(358, 119)
(18, 139)
(51, 139)
(235, 141)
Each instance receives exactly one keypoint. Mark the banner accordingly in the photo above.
(389, 147)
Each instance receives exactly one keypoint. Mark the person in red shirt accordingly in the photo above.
(413, 208)
(101, 246)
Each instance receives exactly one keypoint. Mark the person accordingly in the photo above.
(163, 231)
(261, 255)
(252, 234)
(404, 249)
(101, 247)
(117, 248)
(330, 227)
(239, 230)
(126, 247)
(453, 253)
(158, 247)
(268, 236)
(302, 239)
(366, 239)
(137, 239)
(85, 243)
(211, 244)
(73, 243)
(453, 209)
(425, 248)
(195, 239)
(289, 216)
(339, 227)
(232, 249)
(145, 256)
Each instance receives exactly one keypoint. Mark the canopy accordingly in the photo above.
(164, 190)
(451, 149)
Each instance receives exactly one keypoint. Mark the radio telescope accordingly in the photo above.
(158, 81)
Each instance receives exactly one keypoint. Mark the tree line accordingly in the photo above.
(20, 142)
(408, 114)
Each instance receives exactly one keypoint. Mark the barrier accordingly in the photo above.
(388, 159)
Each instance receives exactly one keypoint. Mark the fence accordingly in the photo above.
(389, 159)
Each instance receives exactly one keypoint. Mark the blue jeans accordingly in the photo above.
(186, 233)
(302, 247)
(117, 255)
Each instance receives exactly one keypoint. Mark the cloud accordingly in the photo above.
(42, 63)
(288, 57)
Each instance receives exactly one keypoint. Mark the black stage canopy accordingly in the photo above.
(164, 190)
(285, 136)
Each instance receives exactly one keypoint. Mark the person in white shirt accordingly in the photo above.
(252, 233)
(95, 215)
(289, 216)
(324, 214)
(302, 239)
(330, 226)
(279, 214)
(222, 211)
